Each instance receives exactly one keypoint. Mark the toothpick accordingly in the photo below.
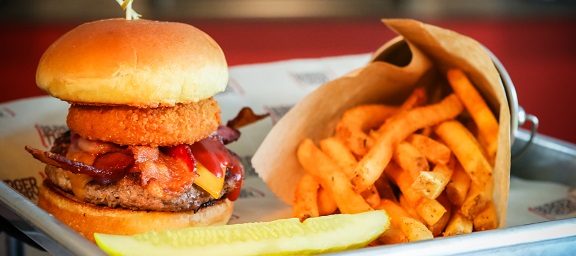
(127, 6)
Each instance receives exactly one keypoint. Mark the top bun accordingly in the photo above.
(139, 63)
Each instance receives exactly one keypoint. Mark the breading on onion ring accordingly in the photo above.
(161, 126)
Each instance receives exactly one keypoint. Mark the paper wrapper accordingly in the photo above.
(434, 50)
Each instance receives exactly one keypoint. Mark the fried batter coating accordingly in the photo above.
(161, 126)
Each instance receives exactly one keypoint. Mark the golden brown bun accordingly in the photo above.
(133, 62)
(162, 126)
(88, 219)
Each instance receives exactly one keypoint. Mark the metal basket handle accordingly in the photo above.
(522, 118)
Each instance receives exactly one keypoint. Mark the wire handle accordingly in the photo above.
(522, 118)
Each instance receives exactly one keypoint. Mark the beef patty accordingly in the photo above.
(128, 192)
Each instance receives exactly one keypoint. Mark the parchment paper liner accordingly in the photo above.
(434, 50)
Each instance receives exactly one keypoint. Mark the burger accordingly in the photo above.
(145, 148)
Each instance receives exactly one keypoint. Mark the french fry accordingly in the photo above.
(428, 209)
(305, 199)
(371, 196)
(326, 204)
(441, 224)
(412, 228)
(465, 148)
(385, 189)
(417, 98)
(410, 159)
(398, 129)
(458, 225)
(392, 235)
(426, 131)
(418, 162)
(476, 200)
(478, 109)
(403, 202)
(340, 154)
(400, 177)
(452, 162)
(331, 177)
(434, 151)
(486, 219)
(431, 184)
(457, 188)
(354, 124)
(469, 154)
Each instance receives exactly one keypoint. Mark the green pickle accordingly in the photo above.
(280, 237)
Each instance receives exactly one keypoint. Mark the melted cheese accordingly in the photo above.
(78, 181)
(81, 157)
(209, 181)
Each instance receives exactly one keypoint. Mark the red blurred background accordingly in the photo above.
(539, 54)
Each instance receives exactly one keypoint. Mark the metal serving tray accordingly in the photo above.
(546, 159)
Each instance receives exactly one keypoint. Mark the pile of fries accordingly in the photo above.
(427, 162)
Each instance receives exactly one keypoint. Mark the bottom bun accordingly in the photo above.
(88, 219)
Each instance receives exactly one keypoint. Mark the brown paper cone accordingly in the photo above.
(433, 50)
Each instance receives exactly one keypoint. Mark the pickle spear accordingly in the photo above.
(280, 237)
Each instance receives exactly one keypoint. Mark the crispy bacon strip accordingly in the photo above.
(245, 117)
(230, 133)
(114, 161)
(104, 175)
(227, 134)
